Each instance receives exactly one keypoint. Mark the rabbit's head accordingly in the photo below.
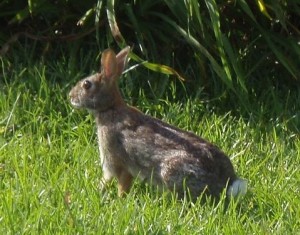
(100, 92)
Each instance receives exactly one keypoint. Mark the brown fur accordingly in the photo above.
(132, 144)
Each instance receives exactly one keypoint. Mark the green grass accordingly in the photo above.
(49, 167)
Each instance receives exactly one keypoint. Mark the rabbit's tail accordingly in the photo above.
(237, 188)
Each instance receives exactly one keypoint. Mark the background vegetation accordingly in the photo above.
(235, 83)
(233, 49)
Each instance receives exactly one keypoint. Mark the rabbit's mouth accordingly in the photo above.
(75, 103)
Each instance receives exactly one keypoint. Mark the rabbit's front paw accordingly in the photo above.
(103, 184)
(106, 179)
(124, 182)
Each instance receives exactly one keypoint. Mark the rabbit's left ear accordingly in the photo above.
(122, 59)
(109, 65)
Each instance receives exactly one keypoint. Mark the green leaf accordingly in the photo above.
(234, 61)
(215, 20)
(86, 15)
(192, 41)
(121, 41)
(20, 16)
(113, 23)
(262, 7)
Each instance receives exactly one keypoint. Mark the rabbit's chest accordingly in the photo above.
(108, 146)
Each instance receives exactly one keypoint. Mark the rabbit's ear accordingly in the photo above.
(109, 63)
(122, 59)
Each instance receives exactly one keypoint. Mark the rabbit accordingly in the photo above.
(134, 145)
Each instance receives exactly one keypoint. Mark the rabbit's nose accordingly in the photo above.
(70, 94)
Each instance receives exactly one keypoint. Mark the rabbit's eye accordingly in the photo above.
(86, 84)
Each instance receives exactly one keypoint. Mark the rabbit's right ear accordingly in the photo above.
(109, 64)
(122, 59)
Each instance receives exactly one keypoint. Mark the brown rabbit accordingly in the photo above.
(132, 144)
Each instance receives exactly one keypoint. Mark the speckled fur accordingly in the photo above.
(132, 144)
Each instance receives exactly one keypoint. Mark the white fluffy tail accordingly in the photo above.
(237, 188)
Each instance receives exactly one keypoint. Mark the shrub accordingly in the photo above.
(232, 46)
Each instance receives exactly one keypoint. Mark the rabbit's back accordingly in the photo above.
(163, 154)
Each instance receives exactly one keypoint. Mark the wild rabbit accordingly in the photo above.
(132, 144)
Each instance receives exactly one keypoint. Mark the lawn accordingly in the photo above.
(50, 170)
